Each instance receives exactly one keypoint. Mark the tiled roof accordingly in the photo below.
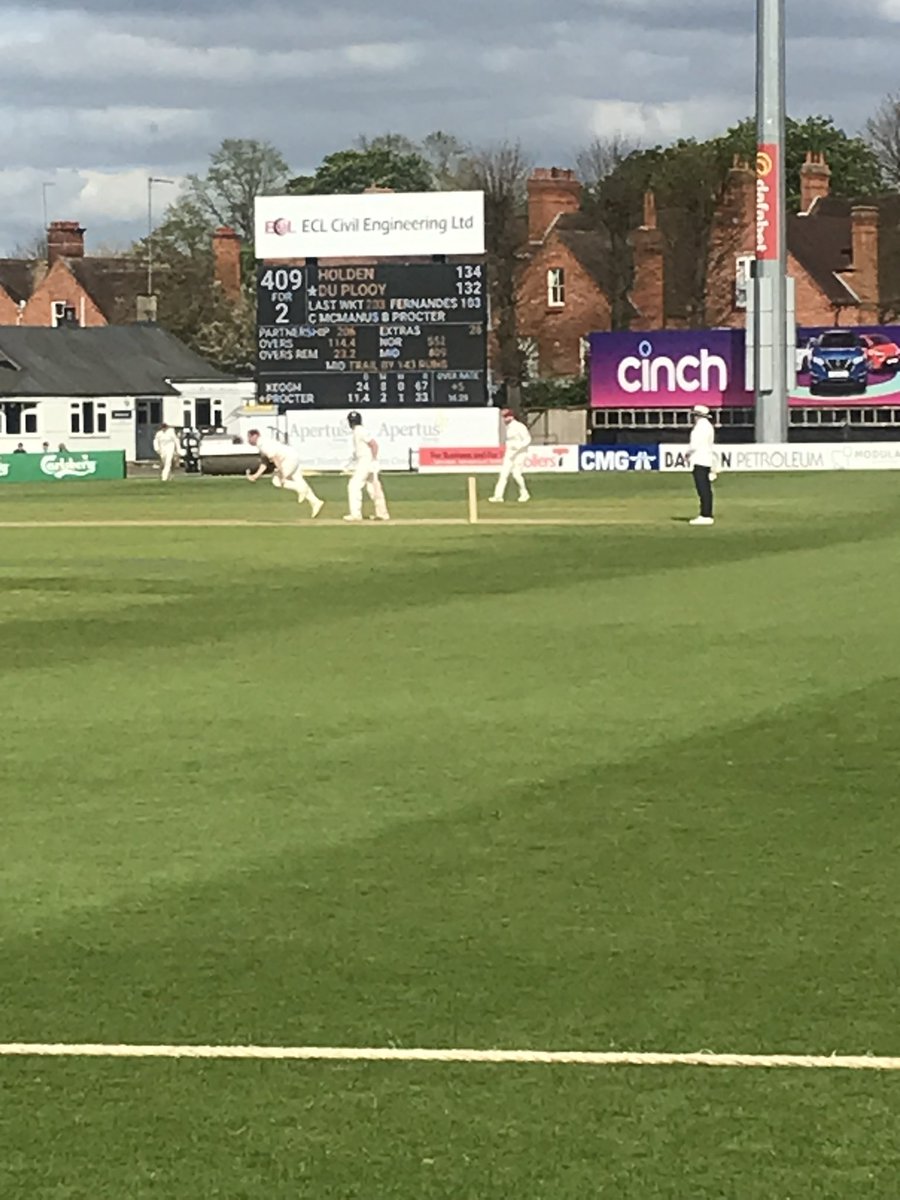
(18, 276)
(111, 360)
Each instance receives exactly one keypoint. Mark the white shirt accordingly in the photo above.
(703, 440)
(362, 449)
(166, 442)
(517, 437)
(276, 452)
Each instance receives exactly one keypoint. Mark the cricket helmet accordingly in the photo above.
(354, 419)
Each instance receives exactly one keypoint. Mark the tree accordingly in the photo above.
(239, 170)
(855, 167)
(601, 157)
(687, 179)
(501, 172)
(613, 201)
(353, 171)
(883, 136)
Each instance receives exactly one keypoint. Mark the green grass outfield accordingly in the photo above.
(604, 783)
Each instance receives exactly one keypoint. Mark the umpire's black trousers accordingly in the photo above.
(704, 490)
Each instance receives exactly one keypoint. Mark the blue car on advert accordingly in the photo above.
(838, 362)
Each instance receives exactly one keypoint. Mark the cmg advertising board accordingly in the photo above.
(679, 368)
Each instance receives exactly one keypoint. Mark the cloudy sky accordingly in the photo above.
(96, 95)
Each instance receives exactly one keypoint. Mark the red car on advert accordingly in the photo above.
(882, 354)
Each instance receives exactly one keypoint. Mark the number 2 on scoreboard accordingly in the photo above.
(282, 313)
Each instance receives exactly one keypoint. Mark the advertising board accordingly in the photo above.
(857, 365)
(797, 456)
(383, 224)
(63, 466)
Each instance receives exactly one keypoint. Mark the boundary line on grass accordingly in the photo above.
(585, 1058)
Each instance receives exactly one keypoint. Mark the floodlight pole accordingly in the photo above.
(772, 355)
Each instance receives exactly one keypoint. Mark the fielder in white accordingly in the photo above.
(518, 439)
(287, 469)
(364, 474)
(167, 448)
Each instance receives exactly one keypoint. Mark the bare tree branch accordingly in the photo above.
(883, 135)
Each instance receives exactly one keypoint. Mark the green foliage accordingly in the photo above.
(353, 171)
(855, 168)
(239, 170)
(555, 393)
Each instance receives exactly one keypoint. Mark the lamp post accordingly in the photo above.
(151, 180)
(44, 189)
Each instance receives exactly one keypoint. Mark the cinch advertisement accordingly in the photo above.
(667, 368)
(680, 368)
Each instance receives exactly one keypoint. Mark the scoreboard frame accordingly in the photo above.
(379, 334)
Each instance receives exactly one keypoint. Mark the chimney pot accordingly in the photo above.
(227, 261)
(65, 239)
(552, 191)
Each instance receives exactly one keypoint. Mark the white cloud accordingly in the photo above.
(119, 195)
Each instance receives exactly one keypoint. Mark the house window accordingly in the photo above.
(743, 275)
(16, 419)
(86, 417)
(62, 313)
(207, 413)
(556, 287)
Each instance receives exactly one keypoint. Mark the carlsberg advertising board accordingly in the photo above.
(63, 466)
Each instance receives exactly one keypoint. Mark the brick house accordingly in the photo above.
(70, 287)
(563, 291)
(840, 255)
(843, 255)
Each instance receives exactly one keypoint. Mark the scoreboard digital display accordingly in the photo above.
(389, 334)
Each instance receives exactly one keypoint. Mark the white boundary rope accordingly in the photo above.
(585, 1058)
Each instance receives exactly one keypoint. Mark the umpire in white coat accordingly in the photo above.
(702, 461)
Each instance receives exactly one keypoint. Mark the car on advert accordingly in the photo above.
(838, 363)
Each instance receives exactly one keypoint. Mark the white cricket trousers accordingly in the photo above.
(512, 465)
(168, 459)
(291, 477)
(365, 478)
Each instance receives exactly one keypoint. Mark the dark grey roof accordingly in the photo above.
(112, 360)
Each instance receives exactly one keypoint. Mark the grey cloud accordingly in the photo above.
(157, 88)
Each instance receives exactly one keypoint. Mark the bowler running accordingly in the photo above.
(287, 469)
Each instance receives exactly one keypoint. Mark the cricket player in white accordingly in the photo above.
(287, 469)
(518, 439)
(702, 460)
(364, 474)
(166, 447)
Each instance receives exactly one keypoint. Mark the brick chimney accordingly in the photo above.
(864, 272)
(65, 239)
(227, 260)
(648, 288)
(815, 180)
(551, 192)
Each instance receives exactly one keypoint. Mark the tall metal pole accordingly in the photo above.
(771, 347)
(44, 189)
(150, 235)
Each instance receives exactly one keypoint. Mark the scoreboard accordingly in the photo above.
(388, 334)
